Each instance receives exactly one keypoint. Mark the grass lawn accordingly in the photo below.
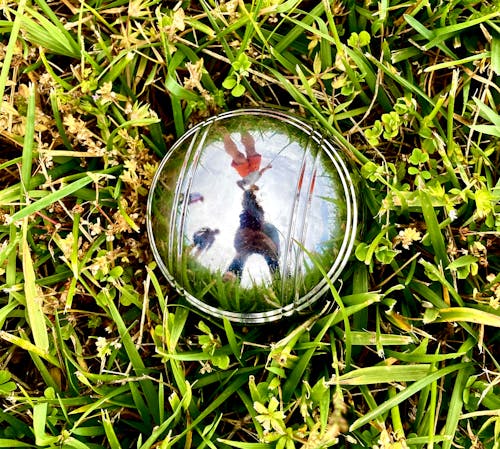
(97, 351)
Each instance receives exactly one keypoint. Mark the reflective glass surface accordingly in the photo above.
(246, 211)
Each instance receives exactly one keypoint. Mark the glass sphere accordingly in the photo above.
(247, 213)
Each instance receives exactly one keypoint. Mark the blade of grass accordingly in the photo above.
(456, 404)
(231, 338)
(429, 35)
(57, 195)
(28, 346)
(367, 338)
(173, 326)
(301, 99)
(432, 409)
(214, 404)
(495, 54)
(9, 50)
(6, 311)
(383, 374)
(406, 393)
(147, 386)
(433, 229)
(104, 400)
(397, 423)
(162, 428)
(52, 37)
(156, 285)
(33, 296)
(457, 62)
(372, 404)
(370, 78)
(298, 30)
(58, 25)
(111, 437)
(436, 274)
(140, 404)
(9, 443)
(59, 123)
(467, 314)
(295, 377)
(29, 133)
(446, 32)
(11, 194)
(419, 357)
(391, 71)
(40, 412)
(241, 445)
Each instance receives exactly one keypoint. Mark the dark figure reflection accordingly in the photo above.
(254, 236)
(203, 239)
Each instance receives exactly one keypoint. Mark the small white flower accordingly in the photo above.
(206, 368)
(95, 228)
(408, 236)
(115, 344)
(103, 348)
(452, 214)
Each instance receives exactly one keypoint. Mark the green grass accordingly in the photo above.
(97, 351)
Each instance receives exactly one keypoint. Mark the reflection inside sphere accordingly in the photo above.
(259, 200)
(244, 210)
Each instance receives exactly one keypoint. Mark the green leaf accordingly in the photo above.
(385, 255)
(241, 445)
(8, 443)
(238, 90)
(111, 437)
(486, 112)
(361, 251)
(6, 385)
(462, 261)
(484, 202)
(418, 157)
(10, 49)
(229, 82)
(221, 361)
(353, 40)
(148, 389)
(364, 38)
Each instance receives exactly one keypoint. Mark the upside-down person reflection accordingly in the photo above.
(254, 236)
(247, 165)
